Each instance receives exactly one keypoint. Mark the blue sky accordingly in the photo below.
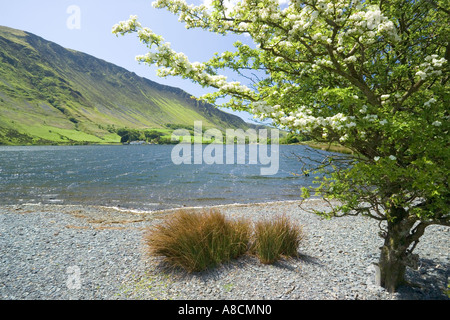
(48, 19)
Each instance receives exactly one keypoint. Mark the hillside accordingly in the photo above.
(49, 94)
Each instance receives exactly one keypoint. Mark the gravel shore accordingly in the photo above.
(96, 253)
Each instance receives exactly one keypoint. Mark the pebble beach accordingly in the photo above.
(62, 252)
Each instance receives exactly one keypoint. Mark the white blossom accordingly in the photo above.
(284, 32)
(421, 74)
(431, 67)
(363, 109)
(429, 102)
(350, 59)
(343, 138)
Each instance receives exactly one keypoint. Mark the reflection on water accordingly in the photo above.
(140, 177)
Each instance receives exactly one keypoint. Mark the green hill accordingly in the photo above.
(49, 94)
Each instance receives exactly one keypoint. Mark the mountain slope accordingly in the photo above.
(52, 94)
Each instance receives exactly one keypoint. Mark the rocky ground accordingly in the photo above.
(96, 253)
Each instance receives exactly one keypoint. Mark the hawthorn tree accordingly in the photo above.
(369, 75)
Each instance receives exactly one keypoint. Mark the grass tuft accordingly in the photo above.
(275, 239)
(196, 241)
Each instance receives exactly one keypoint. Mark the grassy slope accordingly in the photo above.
(49, 94)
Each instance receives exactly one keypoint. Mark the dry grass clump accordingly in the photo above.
(274, 239)
(196, 241)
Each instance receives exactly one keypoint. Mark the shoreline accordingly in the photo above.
(65, 207)
(223, 206)
(39, 243)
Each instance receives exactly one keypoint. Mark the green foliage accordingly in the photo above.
(128, 135)
(167, 140)
(13, 137)
(153, 135)
(293, 138)
(175, 126)
(73, 119)
(369, 75)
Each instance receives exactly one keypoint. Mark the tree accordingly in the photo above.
(128, 135)
(369, 75)
(153, 135)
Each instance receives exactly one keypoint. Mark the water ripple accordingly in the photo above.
(140, 177)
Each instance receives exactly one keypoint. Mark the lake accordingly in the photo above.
(141, 177)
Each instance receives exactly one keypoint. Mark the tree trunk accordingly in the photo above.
(394, 255)
(392, 266)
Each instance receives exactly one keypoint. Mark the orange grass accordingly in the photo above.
(275, 239)
(196, 241)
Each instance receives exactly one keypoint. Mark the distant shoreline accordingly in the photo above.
(311, 144)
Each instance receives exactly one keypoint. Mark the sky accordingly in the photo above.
(85, 25)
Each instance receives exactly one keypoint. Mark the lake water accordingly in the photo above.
(141, 177)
